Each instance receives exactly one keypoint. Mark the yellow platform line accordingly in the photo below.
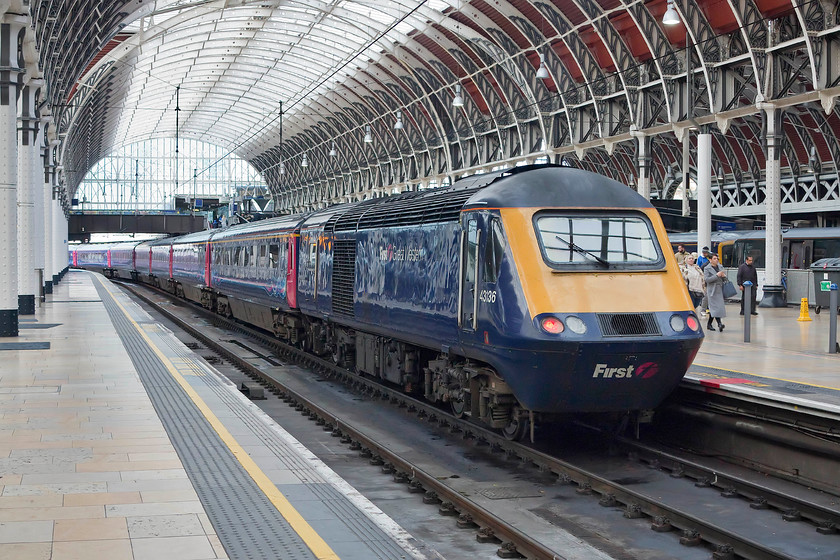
(312, 539)
(764, 376)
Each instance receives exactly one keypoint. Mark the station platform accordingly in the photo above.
(786, 360)
(117, 442)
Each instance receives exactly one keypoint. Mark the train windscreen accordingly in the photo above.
(597, 241)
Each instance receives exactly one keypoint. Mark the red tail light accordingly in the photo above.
(552, 325)
(692, 323)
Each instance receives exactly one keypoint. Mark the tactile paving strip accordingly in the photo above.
(247, 523)
(381, 545)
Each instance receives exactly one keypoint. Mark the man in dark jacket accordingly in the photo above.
(747, 273)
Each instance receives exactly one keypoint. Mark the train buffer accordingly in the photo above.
(252, 391)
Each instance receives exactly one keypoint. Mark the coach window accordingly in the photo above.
(274, 256)
(264, 256)
(494, 252)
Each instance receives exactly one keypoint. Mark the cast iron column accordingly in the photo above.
(27, 275)
(773, 206)
(46, 192)
(643, 163)
(704, 189)
(12, 27)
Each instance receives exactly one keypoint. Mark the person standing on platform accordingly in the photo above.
(747, 273)
(702, 261)
(694, 280)
(715, 275)
(680, 255)
(704, 258)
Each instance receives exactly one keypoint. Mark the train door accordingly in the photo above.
(208, 261)
(800, 253)
(469, 271)
(291, 270)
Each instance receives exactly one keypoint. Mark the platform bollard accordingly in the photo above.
(832, 326)
(803, 310)
(747, 295)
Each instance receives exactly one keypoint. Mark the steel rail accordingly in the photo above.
(523, 544)
(664, 517)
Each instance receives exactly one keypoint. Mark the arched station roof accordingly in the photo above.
(274, 80)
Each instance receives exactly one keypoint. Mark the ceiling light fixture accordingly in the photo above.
(671, 16)
(458, 101)
(368, 137)
(304, 162)
(542, 71)
(399, 124)
(333, 151)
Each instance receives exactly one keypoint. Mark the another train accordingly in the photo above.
(516, 296)
(800, 246)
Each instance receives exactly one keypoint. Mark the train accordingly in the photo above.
(515, 298)
(800, 246)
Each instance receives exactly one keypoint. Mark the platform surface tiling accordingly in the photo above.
(786, 359)
(116, 442)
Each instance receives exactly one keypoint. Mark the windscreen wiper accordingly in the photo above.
(584, 252)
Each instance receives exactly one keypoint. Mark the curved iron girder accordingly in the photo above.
(725, 144)
(628, 73)
(663, 63)
(754, 38)
(749, 147)
(828, 134)
(481, 125)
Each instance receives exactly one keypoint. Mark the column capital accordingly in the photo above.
(765, 106)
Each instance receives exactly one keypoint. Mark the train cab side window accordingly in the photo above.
(494, 252)
(472, 250)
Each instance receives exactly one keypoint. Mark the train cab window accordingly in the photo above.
(472, 250)
(754, 248)
(495, 250)
(587, 241)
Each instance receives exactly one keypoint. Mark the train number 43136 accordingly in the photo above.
(487, 296)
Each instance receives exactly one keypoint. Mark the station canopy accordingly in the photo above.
(334, 100)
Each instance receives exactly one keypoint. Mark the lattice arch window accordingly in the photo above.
(143, 176)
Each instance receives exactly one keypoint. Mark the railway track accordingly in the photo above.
(662, 513)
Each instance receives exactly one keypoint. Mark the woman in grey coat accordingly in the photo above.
(715, 275)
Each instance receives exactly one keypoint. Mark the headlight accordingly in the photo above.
(551, 325)
(575, 324)
(677, 323)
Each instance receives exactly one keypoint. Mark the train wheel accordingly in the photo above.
(516, 429)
